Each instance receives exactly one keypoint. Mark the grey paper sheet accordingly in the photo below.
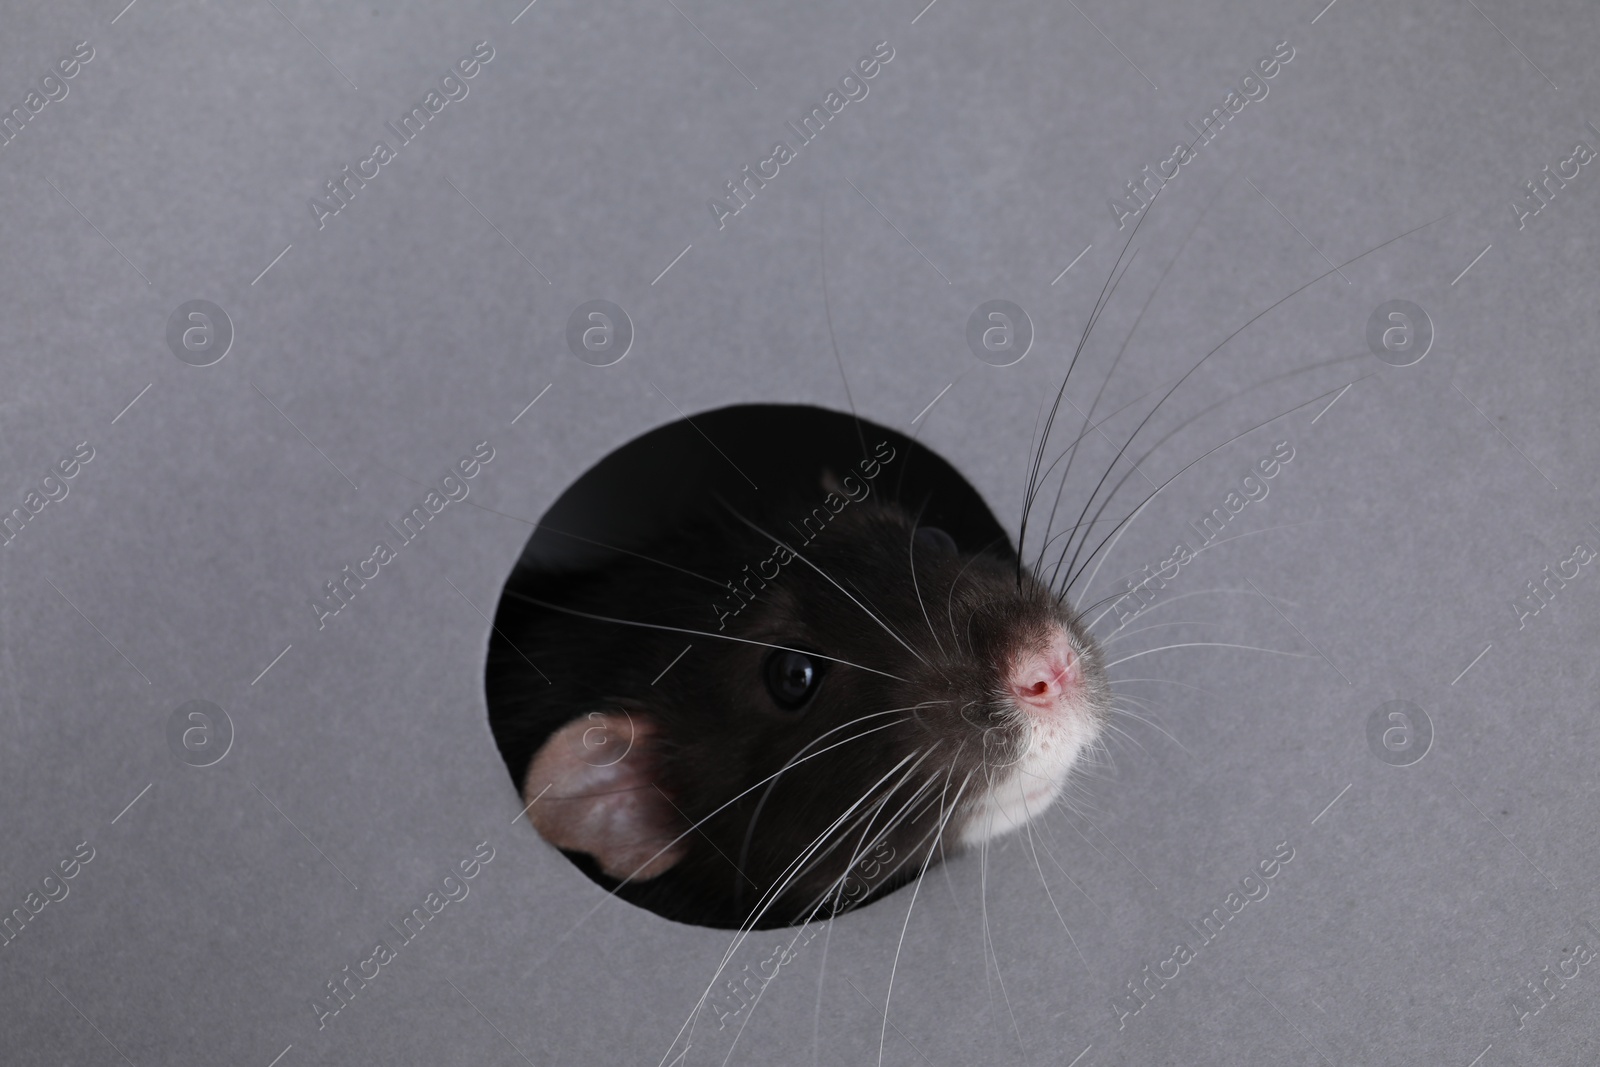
(239, 339)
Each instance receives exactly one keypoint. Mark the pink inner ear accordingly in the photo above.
(597, 776)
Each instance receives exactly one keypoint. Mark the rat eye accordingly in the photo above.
(933, 540)
(791, 678)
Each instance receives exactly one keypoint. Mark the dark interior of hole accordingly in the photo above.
(664, 478)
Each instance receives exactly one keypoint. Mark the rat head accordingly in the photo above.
(857, 697)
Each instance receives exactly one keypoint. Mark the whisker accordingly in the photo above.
(827, 309)
(1220, 345)
(756, 1003)
(950, 599)
(772, 780)
(869, 818)
(869, 613)
(771, 897)
(1168, 681)
(990, 952)
(866, 837)
(1100, 301)
(601, 544)
(1113, 283)
(1174, 600)
(1156, 289)
(994, 953)
(1211, 644)
(1118, 635)
(590, 913)
(1049, 895)
(983, 898)
(894, 968)
(944, 865)
(1066, 454)
(1114, 728)
(1122, 526)
(1154, 726)
(750, 830)
(1230, 398)
(911, 565)
(816, 1015)
(1058, 535)
(893, 823)
(699, 633)
(809, 854)
(1162, 440)
(1051, 856)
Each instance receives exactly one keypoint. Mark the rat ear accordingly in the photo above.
(592, 788)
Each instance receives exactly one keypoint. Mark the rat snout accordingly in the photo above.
(1043, 678)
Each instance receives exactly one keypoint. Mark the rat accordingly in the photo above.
(786, 702)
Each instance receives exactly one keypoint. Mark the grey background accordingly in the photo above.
(423, 318)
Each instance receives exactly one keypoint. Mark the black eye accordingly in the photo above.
(932, 540)
(792, 678)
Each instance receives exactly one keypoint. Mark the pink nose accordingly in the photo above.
(1041, 679)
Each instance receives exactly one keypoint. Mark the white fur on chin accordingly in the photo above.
(1022, 791)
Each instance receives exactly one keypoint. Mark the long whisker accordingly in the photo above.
(1121, 636)
(775, 893)
(1028, 830)
(1197, 552)
(1148, 452)
(802, 862)
(869, 613)
(869, 818)
(810, 855)
(903, 815)
(1210, 644)
(772, 780)
(1113, 282)
(1153, 725)
(944, 866)
(1250, 322)
(894, 968)
(866, 837)
(1200, 414)
(893, 823)
(911, 564)
(983, 897)
(816, 1016)
(827, 309)
(950, 599)
(1100, 302)
(699, 633)
(744, 931)
(773, 776)
(1118, 530)
(750, 1013)
(1122, 526)
(988, 936)
(1156, 289)
(590, 913)
(1114, 728)
(1051, 857)
(1061, 486)
(1068, 532)
(1168, 681)
(1263, 383)
(1165, 603)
